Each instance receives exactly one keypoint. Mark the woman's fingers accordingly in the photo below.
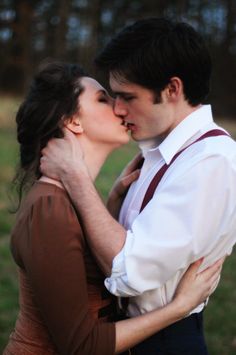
(128, 175)
(193, 269)
(212, 270)
(195, 287)
(214, 279)
(132, 165)
(128, 179)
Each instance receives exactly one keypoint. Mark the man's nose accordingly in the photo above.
(120, 108)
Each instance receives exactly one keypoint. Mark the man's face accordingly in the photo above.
(144, 118)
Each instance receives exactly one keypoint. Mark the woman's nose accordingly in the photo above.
(120, 108)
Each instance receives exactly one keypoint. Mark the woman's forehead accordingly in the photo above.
(91, 84)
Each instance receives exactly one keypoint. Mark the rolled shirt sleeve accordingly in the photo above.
(191, 215)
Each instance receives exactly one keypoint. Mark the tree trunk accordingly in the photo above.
(19, 64)
(91, 20)
(62, 27)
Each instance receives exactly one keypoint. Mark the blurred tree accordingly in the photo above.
(63, 13)
(17, 70)
(228, 59)
(74, 30)
(229, 41)
(91, 26)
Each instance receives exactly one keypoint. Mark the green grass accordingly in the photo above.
(8, 277)
(220, 314)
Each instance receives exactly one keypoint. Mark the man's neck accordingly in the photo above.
(181, 113)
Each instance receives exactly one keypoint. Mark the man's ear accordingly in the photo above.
(74, 125)
(174, 89)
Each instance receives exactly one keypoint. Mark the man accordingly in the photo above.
(183, 205)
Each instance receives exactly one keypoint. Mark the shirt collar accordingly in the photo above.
(149, 145)
(185, 130)
(177, 138)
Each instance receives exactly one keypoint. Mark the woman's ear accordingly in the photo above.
(74, 125)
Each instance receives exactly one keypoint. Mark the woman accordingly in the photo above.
(64, 307)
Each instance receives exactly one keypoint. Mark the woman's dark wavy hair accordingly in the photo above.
(152, 51)
(52, 99)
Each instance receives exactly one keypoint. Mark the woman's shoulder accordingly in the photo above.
(46, 216)
(47, 199)
(49, 207)
(41, 189)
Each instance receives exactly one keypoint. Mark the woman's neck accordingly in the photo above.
(94, 157)
(51, 181)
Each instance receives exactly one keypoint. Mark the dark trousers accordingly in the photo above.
(184, 337)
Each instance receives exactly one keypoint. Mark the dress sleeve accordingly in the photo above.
(55, 267)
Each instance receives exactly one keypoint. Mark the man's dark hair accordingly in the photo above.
(151, 51)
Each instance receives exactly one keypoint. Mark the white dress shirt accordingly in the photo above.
(192, 214)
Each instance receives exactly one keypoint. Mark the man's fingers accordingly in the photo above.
(52, 142)
(68, 134)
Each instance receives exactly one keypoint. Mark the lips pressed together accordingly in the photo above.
(127, 124)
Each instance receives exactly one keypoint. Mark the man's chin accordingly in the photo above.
(138, 138)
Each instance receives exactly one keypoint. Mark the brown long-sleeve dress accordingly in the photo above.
(63, 302)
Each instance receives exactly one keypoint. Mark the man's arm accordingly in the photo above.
(177, 227)
(186, 220)
(105, 235)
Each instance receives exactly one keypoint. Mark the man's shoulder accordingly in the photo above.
(219, 146)
(209, 155)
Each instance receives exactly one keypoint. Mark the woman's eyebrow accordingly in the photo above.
(102, 91)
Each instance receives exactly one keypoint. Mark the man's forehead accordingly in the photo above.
(119, 84)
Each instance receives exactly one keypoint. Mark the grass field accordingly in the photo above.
(220, 315)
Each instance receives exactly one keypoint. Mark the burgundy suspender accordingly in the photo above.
(157, 178)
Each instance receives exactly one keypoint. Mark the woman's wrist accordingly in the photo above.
(181, 310)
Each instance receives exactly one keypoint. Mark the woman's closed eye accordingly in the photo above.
(105, 98)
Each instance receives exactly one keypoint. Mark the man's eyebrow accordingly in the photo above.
(122, 93)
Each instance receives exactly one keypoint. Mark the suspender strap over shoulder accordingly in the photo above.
(157, 178)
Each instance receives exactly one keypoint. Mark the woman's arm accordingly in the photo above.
(120, 188)
(192, 290)
(54, 264)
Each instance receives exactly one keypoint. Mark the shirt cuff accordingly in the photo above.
(118, 283)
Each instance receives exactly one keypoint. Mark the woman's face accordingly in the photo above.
(98, 120)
